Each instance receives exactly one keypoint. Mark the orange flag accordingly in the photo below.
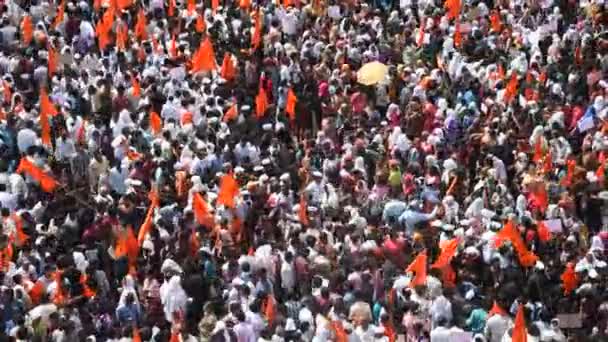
(569, 279)
(45, 129)
(27, 30)
(36, 292)
(290, 107)
(228, 71)
(457, 36)
(519, 333)
(204, 58)
(60, 16)
(140, 25)
(601, 171)
(174, 337)
(173, 47)
(191, 7)
(261, 103)
(510, 232)
(270, 310)
(256, 38)
(448, 250)
(149, 221)
(136, 335)
(418, 267)
(122, 4)
(548, 162)
(122, 36)
(8, 93)
(156, 124)
(214, 5)
(495, 21)
(46, 105)
(87, 291)
(59, 296)
(540, 196)
(339, 332)
(200, 25)
(452, 186)
(420, 39)
(544, 234)
(511, 89)
(135, 85)
(52, 66)
(194, 243)
(201, 211)
(171, 8)
(230, 114)
(453, 8)
(47, 183)
(229, 189)
(245, 4)
(571, 166)
(496, 310)
(303, 212)
(542, 78)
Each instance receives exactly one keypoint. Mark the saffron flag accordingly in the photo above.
(495, 21)
(339, 332)
(135, 86)
(303, 212)
(418, 267)
(231, 114)
(256, 38)
(156, 123)
(453, 8)
(511, 89)
(122, 36)
(136, 335)
(496, 310)
(569, 279)
(290, 106)
(201, 211)
(52, 61)
(229, 189)
(47, 183)
(261, 103)
(200, 25)
(269, 309)
(448, 251)
(141, 26)
(27, 30)
(204, 59)
(544, 234)
(60, 15)
(570, 167)
(457, 36)
(420, 39)
(519, 333)
(191, 7)
(228, 71)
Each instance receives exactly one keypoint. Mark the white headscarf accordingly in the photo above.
(173, 297)
(128, 286)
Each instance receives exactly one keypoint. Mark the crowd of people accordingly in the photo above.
(303, 170)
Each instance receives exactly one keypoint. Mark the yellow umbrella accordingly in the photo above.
(372, 73)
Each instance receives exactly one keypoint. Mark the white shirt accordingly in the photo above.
(288, 276)
(440, 334)
(8, 200)
(26, 138)
(496, 326)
